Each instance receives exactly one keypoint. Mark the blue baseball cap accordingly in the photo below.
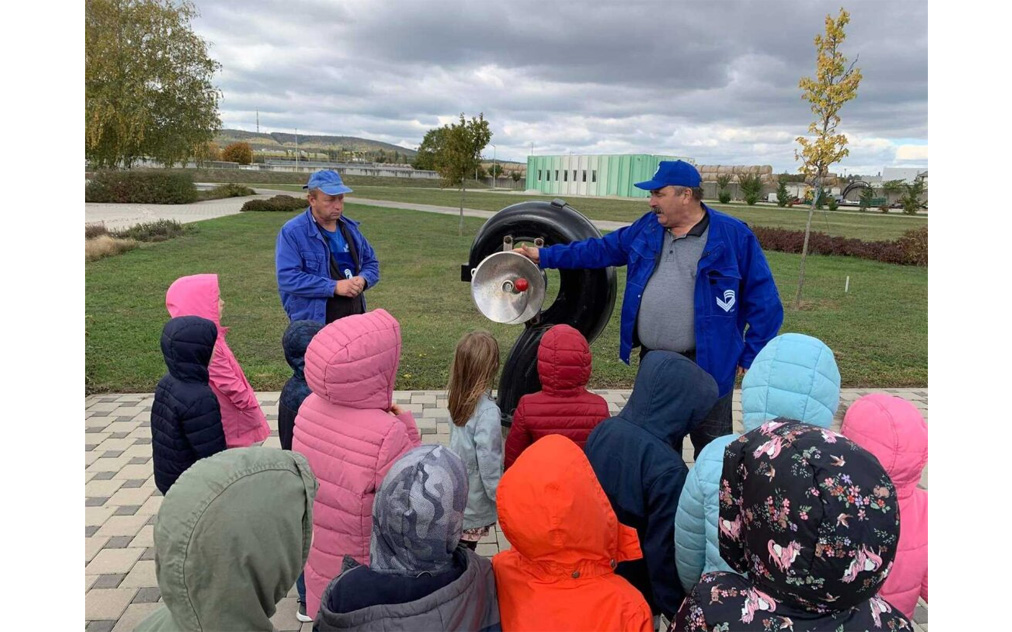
(328, 181)
(672, 173)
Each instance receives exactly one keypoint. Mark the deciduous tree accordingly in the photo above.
(835, 83)
(238, 152)
(148, 89)
(460, 154)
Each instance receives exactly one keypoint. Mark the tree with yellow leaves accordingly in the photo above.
(834, 84)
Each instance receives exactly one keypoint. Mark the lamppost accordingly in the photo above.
(493, 167)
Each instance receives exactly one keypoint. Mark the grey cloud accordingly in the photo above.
(628, 76)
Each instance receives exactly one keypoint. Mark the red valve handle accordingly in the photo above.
(521, 285)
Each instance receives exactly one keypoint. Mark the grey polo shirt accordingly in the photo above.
(667, 313)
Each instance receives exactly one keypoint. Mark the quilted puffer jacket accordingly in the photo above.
(185, 419)
(810, 521)
(350, 439)
(244, 422)
(296, 390)
(894, 431)
(794, 376)
(563, 405)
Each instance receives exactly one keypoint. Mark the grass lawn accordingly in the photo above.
(869, 226)
(878, 330)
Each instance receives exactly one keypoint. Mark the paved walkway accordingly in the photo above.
(121, 500)
(118, 216)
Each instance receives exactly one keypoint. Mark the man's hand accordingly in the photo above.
(359, 283)
(530, 252)
(349, 287)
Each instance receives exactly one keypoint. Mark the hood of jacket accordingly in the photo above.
(353, 360)
(564, 360)
(295, 341)
(793, 376)
(670, 397)
(195, 295)
(894, 431)
(555, 514)
(187, 344)
(231, 538)
(418, 514)
(810, 516)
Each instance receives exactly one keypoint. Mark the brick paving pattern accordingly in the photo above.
(121, 500)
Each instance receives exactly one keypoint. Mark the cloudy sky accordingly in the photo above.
(715, 80)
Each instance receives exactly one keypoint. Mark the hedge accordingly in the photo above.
(279, 203)
(142, 187)
(910, 249)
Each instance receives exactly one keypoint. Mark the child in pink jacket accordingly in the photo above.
(351, 433)
(243, 421)
(894, 431)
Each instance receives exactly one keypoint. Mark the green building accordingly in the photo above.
(593, 175)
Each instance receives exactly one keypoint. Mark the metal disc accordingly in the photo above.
(493, 291)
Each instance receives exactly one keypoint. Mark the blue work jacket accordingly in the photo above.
(734, 288)
(302, 260)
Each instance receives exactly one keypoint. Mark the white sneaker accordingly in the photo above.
(301, 614)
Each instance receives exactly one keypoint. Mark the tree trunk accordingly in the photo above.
(460, 226)
(804, 248)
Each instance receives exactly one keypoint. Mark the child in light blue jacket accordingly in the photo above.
(475, 431)
(794, 376)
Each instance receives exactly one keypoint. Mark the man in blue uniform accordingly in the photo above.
(697, 283)
(324, 263)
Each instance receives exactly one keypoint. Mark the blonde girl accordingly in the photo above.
(475, 431)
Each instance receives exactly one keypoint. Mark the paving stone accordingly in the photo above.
(92, 546)
(284, 618)
(138, 460)
(141, 576)
(112, 561)
(132, 483)
(112, 454)
(89, 581)
(123, 525)
(117, 435)
(148, 554)
(487, 550)
(126, 510)
(142, 441)
(103, 407)
(152, 505)
(95, 501)
(109, 581)
(96, 516)
(99, 626)
(130, 496)
(105, 464)
(148, 594)
(134, 614)
(111, 445)
(427, 431)
(103, 476)
(90, 530)
(118, 542)
(137, 451)
(94, 429)
(107, 604)
(101, 489)
(145, 537)
(134, 471)
(151, 520)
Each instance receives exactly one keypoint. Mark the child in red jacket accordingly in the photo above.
(563, 405)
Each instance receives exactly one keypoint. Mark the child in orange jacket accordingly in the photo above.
(560, 573)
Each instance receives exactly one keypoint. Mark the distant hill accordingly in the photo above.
(280, 141)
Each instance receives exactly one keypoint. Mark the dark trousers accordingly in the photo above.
(717, 423)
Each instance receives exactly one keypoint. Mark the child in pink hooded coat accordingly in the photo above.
(894, 431)
(351, 433)
(243, 421)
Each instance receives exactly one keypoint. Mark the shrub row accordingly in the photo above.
(228, 190)
(142, 187)
(910, 249)
(279, 203)
(151, 231)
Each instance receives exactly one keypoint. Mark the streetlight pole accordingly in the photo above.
(493, 167)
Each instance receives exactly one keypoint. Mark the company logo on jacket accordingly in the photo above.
(728, 301)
